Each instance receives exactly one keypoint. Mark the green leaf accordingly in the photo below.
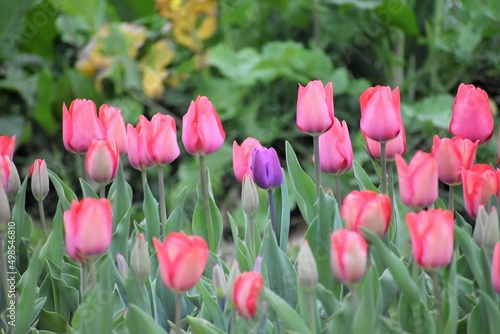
(43, 112)
(364, 181)
(120, 196)
(361, 4)
(285, 312)
(207, 295)
(119, 241)
(396, 13)
(22, 221)
(66, 195)
(435, 109)
(282, 212)
(150, 208)
(87, 189)
(140, 322)
(202, 326)
(174, 221)
(368, 310)
(51, 321)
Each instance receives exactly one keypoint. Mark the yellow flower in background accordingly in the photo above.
(153, 65)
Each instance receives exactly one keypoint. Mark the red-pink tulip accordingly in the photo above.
(139, 156)
(202, 131)
(102, 160)
(418, 181)
(247, 289)
(479, 183)
(80, 126)
(393, 147)
(495, 268)
(88, 226)
(163, 144)
(114, 126)
(380, 113)
(242, 157)
(7, 146)
(431, 235)
(335, 149)
(39, 179)
(367, 209)
(182, 260)
(471, 117)
(315, 107)
(348, 256)
(451, 156)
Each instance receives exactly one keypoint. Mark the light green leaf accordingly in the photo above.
(364, 181)
(202, 326)
(140, 322)
(66, 195)
(285, 312)
(152, 216)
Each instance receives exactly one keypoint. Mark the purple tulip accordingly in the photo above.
(266, 168)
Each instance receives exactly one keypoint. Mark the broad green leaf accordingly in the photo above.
(364, 182)
(396, 13)
(87, 189)
(120, 239)
(120, 196)
(152, 216)
(202, 326)
(208, 296)
(174, 221)
(285, 312)
(283, 212)
(368, 310)
(140, 322)
(449, 297)
(51, 321)
(66, 195)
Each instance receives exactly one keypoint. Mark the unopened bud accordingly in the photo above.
(122, 266)
(487, 230)
(219, 281)
(39, 179)
(139, 258)
(307, 268)
(249, 197)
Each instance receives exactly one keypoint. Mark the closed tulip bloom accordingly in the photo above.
(9, 177)
(39, 179)
(247, 289)
(315, 107)
(139, 258)
(4, 207)
(367, 209)
(7, 146)
(182, 260)
(380, 113)
(349, 252)
(249, 197)
(452, 155)
(393, 147)
(163, 143)
(471, 117)
(479, 184)
(202, 131)
(80, 126)
(242, 157)
(114, 126)
(495, 268)
(102, 160)
(431, 233)
(487, 230)
(88, 228)
(418, 181)
(335, 149)
(266, 168)
(139, 156)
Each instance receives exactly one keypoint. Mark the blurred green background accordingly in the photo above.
(248, 57)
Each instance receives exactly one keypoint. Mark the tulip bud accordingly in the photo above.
(39, 179)
(122, 266)
(315, 107)
(266, 168)
(249, 197)
(4, 207)
(495, 268)
(102, 160)
(480, 182)
(247, 289)
(307, 268)
(242, 157)
(219, 280)
(335, 149)
(348, 257)
(114, 126)
(139, 258)
(487, 231)
(14, 181)
(233, 274)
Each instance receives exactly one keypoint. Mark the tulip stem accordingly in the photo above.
(42, 220)
(311, 305)
(435, 291)
(317, 167)
(383, 168)
(3, 268)
(206, 205)
(84, 279)
(83, 168)
(178, 312)
(354, 298)
(144, 177)
(451, 199)
(102, 191)
(93, 274)
(232, 319)
(163, 204)
(272, 211)
(338, 190)
(251, 232)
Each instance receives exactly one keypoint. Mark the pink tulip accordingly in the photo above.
(495, 268)
(451, 156)
(247, 289)
(335, 149)
(349, 252)
(163, 143)
(7, 146)
(202, 131)
(431, 235)
(139, 156)
(242, 157)
(315, 108)
(396, 146)
(39, 179)
(418, 181)
(102, 160)
(367, 209)
(80, 126)
(479, 183)
(88, 228)
(471, 117)
(182, 260)
(380, 113)
(114, 126)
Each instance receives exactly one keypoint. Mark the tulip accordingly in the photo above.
(242, 157)
(307, 270)
(219, 281)
(102, 160)
(315, 108)
(247, 289)
(266, 168)
(182, 260)
(487, 231)
(9, 177)
(367, 209)
(122, 266)
(139, 156)
(202, 131)
(163, 142)
(471, 117)
(479, 183)
(39, 179)
(114, 126)
(249, 197)
(335, 149)
(418, 181)
(7, 146)
(139, 258)
(495, 268)
(380, 113)
(451, 156)
(348, 258)
(80, 126)
(431, 235)
(393, 147)
(88, 226)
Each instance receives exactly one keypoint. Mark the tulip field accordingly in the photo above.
(186, 167)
